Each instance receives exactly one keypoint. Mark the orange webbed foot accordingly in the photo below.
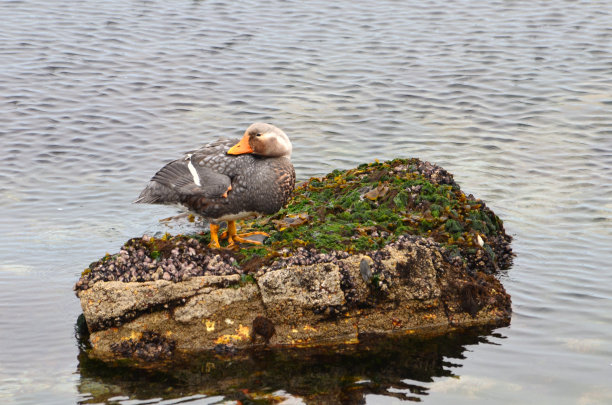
(235, 238)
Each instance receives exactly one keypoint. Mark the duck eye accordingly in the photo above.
(258, 134)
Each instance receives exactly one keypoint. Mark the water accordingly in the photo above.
(514, 98)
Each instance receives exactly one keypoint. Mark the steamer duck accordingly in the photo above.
(229, 180)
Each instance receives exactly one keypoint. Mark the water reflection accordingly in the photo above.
(398, 367)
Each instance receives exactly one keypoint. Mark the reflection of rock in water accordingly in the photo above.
(340, 374)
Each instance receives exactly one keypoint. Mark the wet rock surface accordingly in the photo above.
(175, 294)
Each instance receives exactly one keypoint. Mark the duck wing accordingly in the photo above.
(183, 179)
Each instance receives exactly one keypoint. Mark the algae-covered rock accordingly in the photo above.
(393, 247)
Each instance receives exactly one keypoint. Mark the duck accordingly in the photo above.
(228, 180)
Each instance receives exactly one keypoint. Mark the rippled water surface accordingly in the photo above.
(513, 97)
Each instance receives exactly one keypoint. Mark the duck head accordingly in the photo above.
(264, 140)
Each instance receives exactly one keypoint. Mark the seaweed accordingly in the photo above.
(363, 209)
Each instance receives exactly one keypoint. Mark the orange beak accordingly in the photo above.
(241, 147)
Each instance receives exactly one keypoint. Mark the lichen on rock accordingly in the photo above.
(383, 248)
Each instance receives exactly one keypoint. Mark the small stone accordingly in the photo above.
(263, 327)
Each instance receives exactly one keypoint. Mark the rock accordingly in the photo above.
(113, 302)
(321, 279)
(414, 289)
(293, 294)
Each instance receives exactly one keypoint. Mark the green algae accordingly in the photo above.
(365, 208)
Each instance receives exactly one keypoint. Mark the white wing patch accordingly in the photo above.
(193, 171)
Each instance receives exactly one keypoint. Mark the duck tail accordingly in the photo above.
(156, 193)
